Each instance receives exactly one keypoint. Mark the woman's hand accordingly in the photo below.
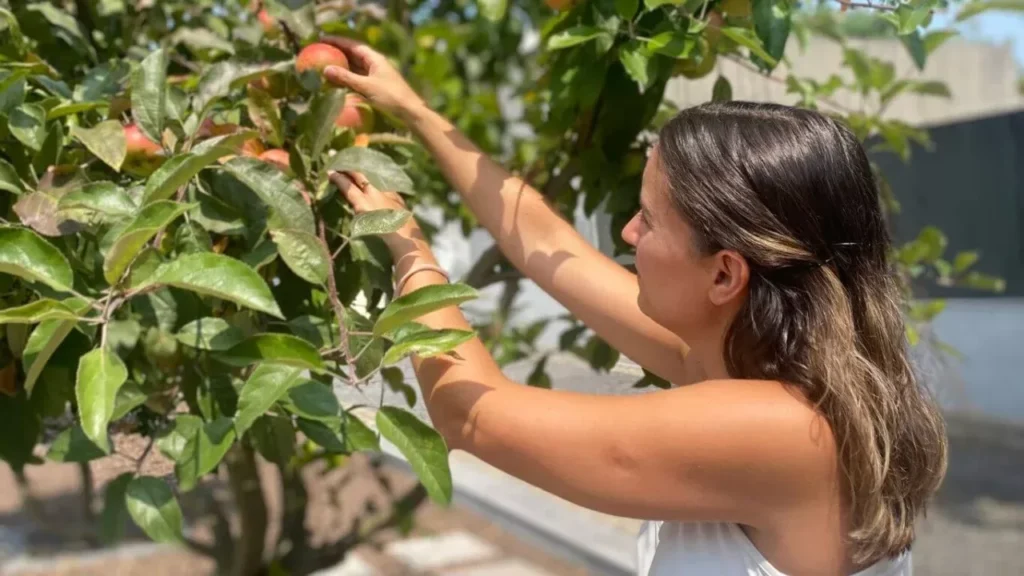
(373, 77)
(364, 197)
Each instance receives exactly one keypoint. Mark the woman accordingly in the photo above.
(799, 442)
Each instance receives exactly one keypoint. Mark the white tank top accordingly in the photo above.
(714, 549)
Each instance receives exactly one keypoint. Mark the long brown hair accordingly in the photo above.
(793, 192)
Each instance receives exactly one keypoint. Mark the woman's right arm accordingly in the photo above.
(534, 237)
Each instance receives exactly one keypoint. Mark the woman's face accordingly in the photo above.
(680, 288)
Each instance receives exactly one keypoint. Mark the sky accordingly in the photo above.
(991, 27)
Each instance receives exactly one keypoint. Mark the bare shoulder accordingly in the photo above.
(751, 435)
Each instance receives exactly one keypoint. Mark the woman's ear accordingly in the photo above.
(732, 274)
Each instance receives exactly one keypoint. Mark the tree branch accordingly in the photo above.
(336, 305)
(849, 4)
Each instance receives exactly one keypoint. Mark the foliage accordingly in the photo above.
(161, 274)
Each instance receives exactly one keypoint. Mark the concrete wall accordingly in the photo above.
(981, 78)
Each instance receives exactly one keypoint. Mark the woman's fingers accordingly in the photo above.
(348, 188)
(360, 55)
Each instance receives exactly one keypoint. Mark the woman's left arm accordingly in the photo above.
(732, 450)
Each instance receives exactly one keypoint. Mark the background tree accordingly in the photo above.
(174, 263)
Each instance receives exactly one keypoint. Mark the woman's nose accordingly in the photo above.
(631, 231)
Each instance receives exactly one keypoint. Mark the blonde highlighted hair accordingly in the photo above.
(792, 190)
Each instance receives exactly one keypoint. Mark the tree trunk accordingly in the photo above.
(299, 557)
(252, 511)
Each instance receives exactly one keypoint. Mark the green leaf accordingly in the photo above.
(931, 88)
(427, 343)
(216, 275)
(652, 4)
(9, 180)
(115, 510)
(493, 10)
(265, 386)
(37, 311)
(69, 108)
(199, 39)
(916, 48)
(105, 199)
(313, 401)
(722, 90)
(149, 94)
(772, 21)
(100, 374)
(25, 254)
(65, 27)
(129, 397)
(172, 442)
(539, 378)
(279, 192)
(265, 115)
(274, 438)
(744, 37)
(934, 39)
(651, 379)
(210, 334)
(53, 145)
(674, 43)
(422, 446)
(41, 345)
(218, 80)
(378, 222)
(304, 254)
(72, 445)
(382, 172)
(273, 349)
(627, 8)
(190, 238)
(177, 171)
(102, 82)
(204, 448)
(574, 36)
(153, 507)
(327, 437)
(105, 140)
(420, 302)
(964, 260)
(150, 220)
(323, 111)
(358, 436)
(27, 123)
(986, 282)
(636, 60)
(910, 19)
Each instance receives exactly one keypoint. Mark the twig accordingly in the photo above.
(340, 248)
(339, 308)
(139, 462)
(824, 99)
(849, 4)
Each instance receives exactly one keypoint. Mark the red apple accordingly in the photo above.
(270, 27)
(143, 156)
(319, 56)
(277, 157)
(356, 114)
(560, 5)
